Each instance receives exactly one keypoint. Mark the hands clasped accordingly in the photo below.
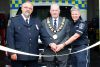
(56, 48)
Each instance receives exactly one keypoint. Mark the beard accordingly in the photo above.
(27, 14)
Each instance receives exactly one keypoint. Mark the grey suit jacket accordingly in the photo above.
(62, 36)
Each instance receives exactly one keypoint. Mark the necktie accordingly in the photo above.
(55, 25)
(27, 21)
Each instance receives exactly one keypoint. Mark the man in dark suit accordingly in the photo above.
(58, 28)
(22, 35)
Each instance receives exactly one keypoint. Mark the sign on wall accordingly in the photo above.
(82, 4)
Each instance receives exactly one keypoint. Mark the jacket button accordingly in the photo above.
(30, 39)
(29, 28)
(29, 33)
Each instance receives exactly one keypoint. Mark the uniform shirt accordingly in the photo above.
(25, 18)
(80, 27)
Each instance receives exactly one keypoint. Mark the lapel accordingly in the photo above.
(31, 21)
(24, 23)
(59, 21)
(51, 22)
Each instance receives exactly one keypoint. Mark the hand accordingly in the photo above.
(14, 57)
(59, 47)
(53, 47)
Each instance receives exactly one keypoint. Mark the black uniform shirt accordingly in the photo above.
(80, 27)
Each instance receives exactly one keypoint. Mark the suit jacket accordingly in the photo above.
(24, 37)
(62, 36)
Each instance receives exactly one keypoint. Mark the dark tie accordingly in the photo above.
(55, 25)
(27, 21)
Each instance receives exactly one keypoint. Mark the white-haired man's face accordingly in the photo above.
(55, 11)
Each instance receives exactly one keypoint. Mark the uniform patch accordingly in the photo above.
(81, 26)
(37, 27)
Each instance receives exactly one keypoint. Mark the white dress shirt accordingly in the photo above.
(56, 22)
(25, 18)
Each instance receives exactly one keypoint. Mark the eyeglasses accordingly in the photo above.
(28, 8)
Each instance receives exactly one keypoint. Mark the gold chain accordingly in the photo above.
(59, 28)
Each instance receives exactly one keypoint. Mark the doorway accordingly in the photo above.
(42, 12)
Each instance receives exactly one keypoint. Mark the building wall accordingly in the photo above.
(4, 6)
(82, 4)
(93, 9)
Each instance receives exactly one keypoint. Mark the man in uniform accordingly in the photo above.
(22, 35)
(78, 40)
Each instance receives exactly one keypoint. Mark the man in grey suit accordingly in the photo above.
(58, 28)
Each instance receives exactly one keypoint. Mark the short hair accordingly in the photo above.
(27, 2)
(75, 8)
(55, 4)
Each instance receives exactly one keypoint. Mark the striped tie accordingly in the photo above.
(55, 25)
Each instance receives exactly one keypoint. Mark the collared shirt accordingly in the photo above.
(80, 27)
(25, 18)
(57, 20)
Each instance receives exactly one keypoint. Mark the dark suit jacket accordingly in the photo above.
(24, 37)
(63, 35)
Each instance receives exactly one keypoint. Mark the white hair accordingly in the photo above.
(55, 4)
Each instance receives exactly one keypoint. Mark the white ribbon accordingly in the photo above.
(29, 54)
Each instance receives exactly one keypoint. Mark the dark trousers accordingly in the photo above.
(80, 59)
(56, 63)
(24, 64)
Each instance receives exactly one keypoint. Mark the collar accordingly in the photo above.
(55, 19)
(25, 17)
